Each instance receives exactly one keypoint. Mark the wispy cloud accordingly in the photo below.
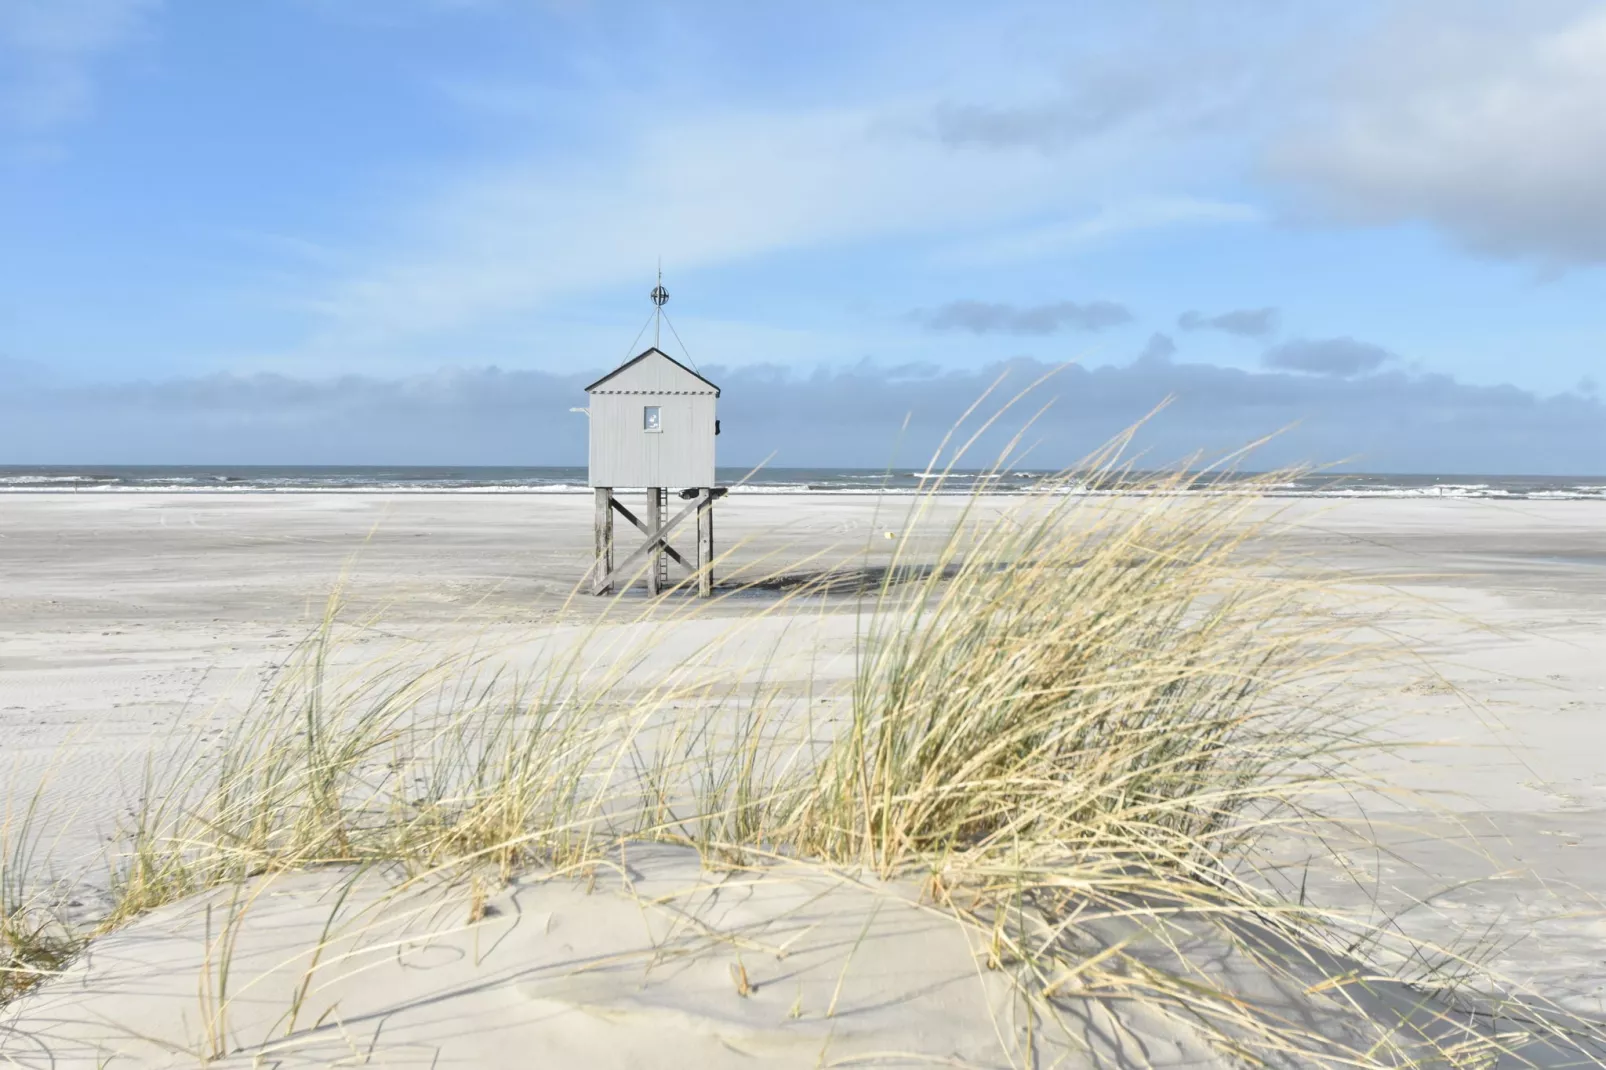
(1328, 356)
(1043, 239)
(1245, 322)
(713, 182)
(48, 52)
(1141, 87)
(989, 317)
(716, 190)
(1088, 106)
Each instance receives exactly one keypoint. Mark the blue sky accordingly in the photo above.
(1321, 198)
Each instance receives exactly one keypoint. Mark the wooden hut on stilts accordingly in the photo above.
(653, 425)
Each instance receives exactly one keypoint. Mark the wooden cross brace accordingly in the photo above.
(673, 553)
(605, 573)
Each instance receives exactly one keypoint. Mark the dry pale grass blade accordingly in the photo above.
(35, 943)
(1088, 679)
(1074, 714)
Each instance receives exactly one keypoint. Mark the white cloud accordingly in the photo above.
(48, 49)
(699, 192)
(989, 317)
(886, 137)
(1487, 121)
(1132, 215)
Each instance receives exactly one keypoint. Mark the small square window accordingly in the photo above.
(650, 419)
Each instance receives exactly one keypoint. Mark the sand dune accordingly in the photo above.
(123, 619)
(652, 961)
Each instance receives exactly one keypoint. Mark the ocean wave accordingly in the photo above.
(261, 488)
(789, 482)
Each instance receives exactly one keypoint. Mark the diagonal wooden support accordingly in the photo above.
(668, 549)
(653, 538)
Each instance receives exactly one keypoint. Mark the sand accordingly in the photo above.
(124, 618)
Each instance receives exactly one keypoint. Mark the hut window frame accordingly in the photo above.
(652, 419)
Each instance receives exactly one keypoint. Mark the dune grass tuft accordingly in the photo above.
(35, 943)
(1072, 710)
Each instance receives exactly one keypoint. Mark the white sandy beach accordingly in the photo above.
(125, 617)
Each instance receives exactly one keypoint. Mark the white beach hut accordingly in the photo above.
(653, 423)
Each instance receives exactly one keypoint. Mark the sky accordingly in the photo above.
(410, 231)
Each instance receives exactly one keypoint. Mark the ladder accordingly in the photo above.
(660, 561)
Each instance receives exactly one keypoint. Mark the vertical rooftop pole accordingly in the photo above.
(659, 297)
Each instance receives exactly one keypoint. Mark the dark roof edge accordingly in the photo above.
(643, 355)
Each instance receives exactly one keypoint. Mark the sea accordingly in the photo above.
(366, 479)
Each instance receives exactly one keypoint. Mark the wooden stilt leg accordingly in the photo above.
(655, 556)
(705, 544)
(602, 568)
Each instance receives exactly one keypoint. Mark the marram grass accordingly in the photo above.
(1068, 710)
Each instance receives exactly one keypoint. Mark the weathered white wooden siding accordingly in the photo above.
(624, 454)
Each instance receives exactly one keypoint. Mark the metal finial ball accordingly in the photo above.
(659, 296)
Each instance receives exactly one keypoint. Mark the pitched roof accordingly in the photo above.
(643, 355)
